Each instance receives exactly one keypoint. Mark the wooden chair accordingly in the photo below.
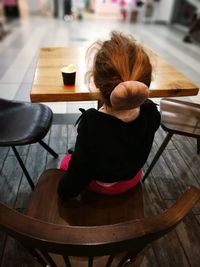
(90, 230)
(24, 123)
(177, 117)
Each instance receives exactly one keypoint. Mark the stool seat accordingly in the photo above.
(23, 123)
(180, 117)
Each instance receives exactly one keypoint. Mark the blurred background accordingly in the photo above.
(170, 11)
(28, 25)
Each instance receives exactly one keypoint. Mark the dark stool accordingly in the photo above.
(24, 123)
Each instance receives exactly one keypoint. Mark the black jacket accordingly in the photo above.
(108, 149)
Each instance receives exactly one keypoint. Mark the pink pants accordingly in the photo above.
(106, 188)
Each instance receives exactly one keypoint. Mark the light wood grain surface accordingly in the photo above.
(48, 84)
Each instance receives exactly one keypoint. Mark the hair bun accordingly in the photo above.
(129, 94)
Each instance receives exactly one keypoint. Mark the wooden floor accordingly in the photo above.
(178, 168)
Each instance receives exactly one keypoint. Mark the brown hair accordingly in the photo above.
(117, 60)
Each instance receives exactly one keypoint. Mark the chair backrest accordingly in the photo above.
(117, 244)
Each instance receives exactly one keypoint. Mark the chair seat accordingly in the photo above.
(180, 117)
(88, 209)
(23, 122)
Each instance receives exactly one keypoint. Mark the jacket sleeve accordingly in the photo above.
(153, 113)
(79, 173)
(156, 117)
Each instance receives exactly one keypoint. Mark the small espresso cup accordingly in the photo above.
(69, 74)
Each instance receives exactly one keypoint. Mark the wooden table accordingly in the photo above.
(48, 85)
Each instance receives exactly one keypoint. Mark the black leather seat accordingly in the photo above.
(24, 123)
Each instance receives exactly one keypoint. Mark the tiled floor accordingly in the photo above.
(19, 50)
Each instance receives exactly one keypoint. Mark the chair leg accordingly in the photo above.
(50, 150)
(159, 152)
(198, 145)
(23, 168)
